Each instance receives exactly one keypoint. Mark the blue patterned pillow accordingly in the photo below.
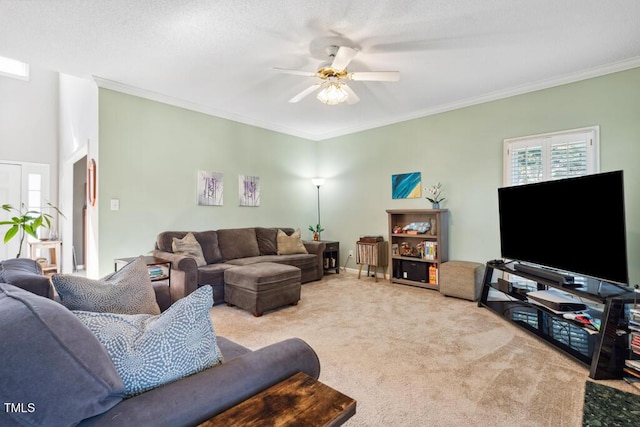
(149, 351)
(127, 291)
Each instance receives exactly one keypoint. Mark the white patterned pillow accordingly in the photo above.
(149, 351)
(127, 291)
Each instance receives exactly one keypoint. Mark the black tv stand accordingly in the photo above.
(559, 278)
(604, 351)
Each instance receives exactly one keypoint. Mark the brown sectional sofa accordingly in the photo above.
(228, 248)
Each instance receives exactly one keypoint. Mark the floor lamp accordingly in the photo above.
(318, 183)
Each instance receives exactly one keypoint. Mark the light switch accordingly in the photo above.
(115, 204)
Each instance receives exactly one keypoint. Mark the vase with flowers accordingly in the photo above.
(435, 195)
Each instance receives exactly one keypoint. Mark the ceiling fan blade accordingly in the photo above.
(305, 92)
(377, 76)
(352, 98)
(296, 72)
(343, 57)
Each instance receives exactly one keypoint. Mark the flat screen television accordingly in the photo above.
(575, 225)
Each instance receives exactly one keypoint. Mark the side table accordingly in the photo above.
(297, 401)
(331, 256)
(372, 254)
(55, 247)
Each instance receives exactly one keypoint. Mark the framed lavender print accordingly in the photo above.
(210, 186)
(249, 190)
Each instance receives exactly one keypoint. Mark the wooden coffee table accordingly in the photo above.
(297, 401)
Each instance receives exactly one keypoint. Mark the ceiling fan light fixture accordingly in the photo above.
(333, 94)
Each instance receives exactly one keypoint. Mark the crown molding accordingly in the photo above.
(610, 68)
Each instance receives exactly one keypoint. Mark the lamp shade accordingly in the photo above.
(333, 94)
(317, 181)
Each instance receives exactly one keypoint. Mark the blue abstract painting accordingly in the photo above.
(405, 185)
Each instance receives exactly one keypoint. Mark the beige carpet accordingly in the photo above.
(412, 357)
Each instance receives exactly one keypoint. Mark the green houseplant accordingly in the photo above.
(26, 222)
(316, 231)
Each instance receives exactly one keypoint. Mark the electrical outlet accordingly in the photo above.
(351, 253)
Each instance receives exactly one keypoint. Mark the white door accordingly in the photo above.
(10, 189)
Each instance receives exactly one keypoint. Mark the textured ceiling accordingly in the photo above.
(218, 56)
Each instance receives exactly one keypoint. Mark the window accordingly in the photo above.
(35, 190)
(551, 156)
(12, 68)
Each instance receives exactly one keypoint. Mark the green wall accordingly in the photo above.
(463, 150)
(149, 157)
(150, 153)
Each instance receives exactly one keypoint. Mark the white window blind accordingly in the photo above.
(551, 156)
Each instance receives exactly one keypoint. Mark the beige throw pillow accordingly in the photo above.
(190, 247)
(288, 245)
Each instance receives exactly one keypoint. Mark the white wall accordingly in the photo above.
(29, 122)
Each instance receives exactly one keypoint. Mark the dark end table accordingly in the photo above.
(331, 256)
(297, 401)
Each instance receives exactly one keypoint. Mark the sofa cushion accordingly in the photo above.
(230, 349)
(50, 359)
(26, 273)
(210, 247)
(267, 240)
(127, 291)
(189, 246)
(288, 245)
(212, 274)
(149, 351)
(238, 243)
(302, 261)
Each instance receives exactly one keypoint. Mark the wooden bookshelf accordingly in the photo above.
(413, 269)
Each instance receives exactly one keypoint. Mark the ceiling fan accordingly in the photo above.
(332, 77)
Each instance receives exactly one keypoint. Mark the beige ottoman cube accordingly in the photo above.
(461, 279)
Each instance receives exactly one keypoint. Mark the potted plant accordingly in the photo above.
(436, 195)
(316, 231)
(26, 222)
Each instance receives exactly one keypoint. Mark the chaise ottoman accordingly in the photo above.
(262, 286)
(461, 279)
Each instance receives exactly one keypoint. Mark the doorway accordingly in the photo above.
(80, 213)
(24, 186)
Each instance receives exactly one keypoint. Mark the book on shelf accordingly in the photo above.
(156, 272)
(631, 371)
(429, 249)
(633, 364)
